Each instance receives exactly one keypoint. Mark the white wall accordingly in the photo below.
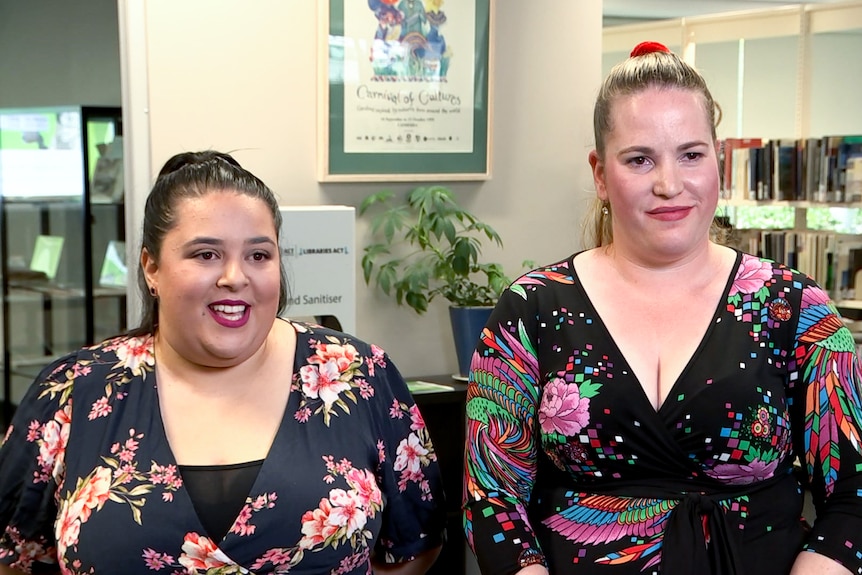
(241, 76)
(55, 52)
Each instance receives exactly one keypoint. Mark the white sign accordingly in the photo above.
(318, 254)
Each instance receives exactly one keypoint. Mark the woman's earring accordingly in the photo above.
(605, 210)
(153, 292)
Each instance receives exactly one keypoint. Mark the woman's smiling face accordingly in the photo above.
(659, 172)
(217, 278)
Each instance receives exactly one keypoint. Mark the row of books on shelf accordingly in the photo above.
(827, 169)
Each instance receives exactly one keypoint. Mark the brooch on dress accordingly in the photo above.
(779, 309)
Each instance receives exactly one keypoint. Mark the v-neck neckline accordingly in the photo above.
(265, 462)
(691, 360)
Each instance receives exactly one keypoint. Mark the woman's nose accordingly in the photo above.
(668, 181)
(232, 274)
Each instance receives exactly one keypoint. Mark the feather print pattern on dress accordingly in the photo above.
(600, 519)
(499, 411)
(833, 407)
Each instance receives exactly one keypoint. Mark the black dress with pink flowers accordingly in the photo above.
(351, 473)
(568, 463)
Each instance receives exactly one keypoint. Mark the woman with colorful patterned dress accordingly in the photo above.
(655, 404)
(218, 437)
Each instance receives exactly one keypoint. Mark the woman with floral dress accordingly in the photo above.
(217, 437)
(638, 407)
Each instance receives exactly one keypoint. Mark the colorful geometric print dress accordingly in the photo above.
(351, 472)
(568, 462)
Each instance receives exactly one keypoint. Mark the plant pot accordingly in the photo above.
(467, 324)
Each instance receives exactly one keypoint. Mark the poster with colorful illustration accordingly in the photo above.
(413, 90)
(408, 84)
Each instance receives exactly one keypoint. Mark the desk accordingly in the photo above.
(443, 412)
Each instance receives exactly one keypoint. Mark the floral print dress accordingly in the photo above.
(88, 483)
(569, 464)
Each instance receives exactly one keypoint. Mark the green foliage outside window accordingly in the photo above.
(839, 220)
(836, 219)
(759, 218)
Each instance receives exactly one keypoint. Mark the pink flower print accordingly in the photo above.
(67, 528)
(34, 431)
(563, 410)
(64, 416)
(364, 484)
(395, 410)
(278, 557)
(165, 475)
(741, 474)
(409, 476)
(346, 511)
(329, 461)
(156, 561)
(259, 503)
(351, 562)
(55, 436)
(342, 355)
(751, 276)
(95, 491)
(136, 354)
(100, 408)
(416, 420)
(75, 510)
(242, 526)
(79, 370)
(343, 466)
(410, 454)
(322, 382)
(302, 414)
(28, 551)
(201, 554)
(366, 390)
(125, 473)
(316, 528)
(127, 453)
(378, 356)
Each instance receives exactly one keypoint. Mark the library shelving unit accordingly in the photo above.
(786, 73)
(62, 232)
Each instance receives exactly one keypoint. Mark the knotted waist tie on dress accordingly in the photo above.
(684, 546)
(697, 514)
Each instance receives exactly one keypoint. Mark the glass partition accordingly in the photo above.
(719, 64)
(769, 87)
(836, 83)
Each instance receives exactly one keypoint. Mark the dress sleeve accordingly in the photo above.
(501, 440)
(31, 467)
(414, 515)
(828, 427)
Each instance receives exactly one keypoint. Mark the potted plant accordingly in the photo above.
(429, 246)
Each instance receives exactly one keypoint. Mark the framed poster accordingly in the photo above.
(405, 90)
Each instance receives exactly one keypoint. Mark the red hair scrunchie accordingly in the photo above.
(648, 48)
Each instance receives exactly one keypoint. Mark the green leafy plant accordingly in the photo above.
(429, 246)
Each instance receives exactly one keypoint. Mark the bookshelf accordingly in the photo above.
(62, 228)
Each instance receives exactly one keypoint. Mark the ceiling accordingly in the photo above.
(633, 10)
